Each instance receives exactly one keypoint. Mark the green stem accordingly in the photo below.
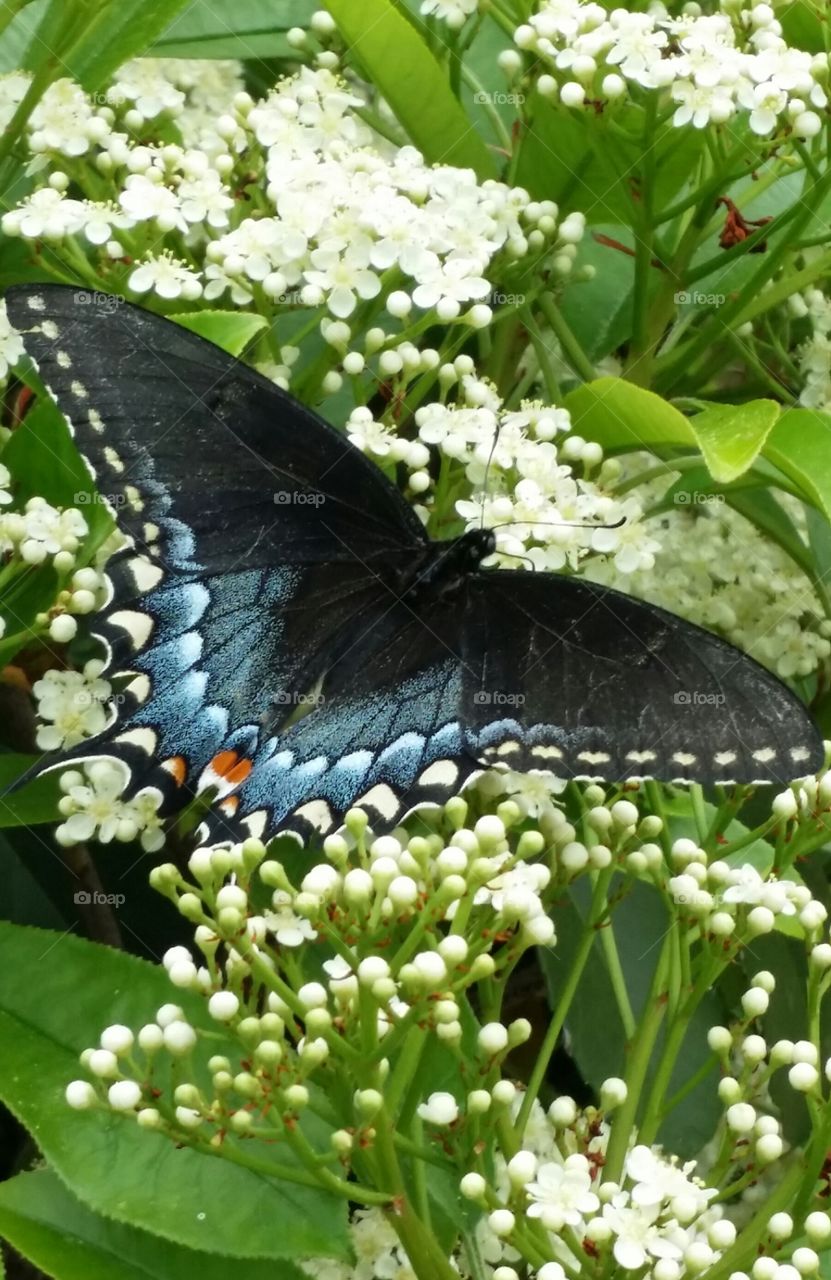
(623, 1120)
(573, 352)
(558, 1017)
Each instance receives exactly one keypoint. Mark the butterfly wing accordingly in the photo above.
(256, 531)
(565, 675)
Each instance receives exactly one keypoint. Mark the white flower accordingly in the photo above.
(453, 12)
(561, 1194)
(368, 435)
(289, 929)
(11, 350)
(147, 85)
(205, 198)
(95, 805)
(64, 121)
(344, 277)
(638, 1237)
(144, 200)
(167, 276)
(45, 214)
(446, 285)
(658, 1179)
(75, 702)
(13, 88)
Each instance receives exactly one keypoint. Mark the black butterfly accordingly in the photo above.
(273, 569)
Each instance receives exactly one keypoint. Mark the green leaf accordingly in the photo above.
(18, 36)
(45, 1223)
(622, 417)
(394, 57)
(599, 311)
(57, 993)
(33, 804)
(231, 330)
(564, 157)
(800, 445)
(118, 31)
(731, 436)
(252, 29)
(44, 462)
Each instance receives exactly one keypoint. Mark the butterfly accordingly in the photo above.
(283, 630)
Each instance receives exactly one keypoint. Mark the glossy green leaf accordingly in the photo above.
(45, 1223)
(732, 436)
(800, 445)
(622, 417)
(252, 29)
(599, 311)
(231, 330)
(395, 58)
(115, 32)
(36, 802)
(115, 1168)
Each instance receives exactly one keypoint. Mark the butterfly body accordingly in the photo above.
(285, 631)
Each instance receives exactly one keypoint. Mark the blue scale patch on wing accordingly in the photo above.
(390, 752)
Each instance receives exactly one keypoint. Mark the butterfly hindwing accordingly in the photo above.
(565, 675)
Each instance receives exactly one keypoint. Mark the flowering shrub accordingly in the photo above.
(555, 268)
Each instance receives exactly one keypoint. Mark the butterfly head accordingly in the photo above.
(476, 545)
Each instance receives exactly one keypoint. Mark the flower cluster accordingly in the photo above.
(93, 805)
(714, 567)
(713, 66)
(814, 355)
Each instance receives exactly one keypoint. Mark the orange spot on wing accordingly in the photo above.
(228, 765)
(177, 767)
(230, 805)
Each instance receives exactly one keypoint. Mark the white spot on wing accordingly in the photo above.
(441, 774)
(35, 302)
(137, 625)
(382, 798)
(725, 757)
(317, 813)
(146, 574)
(641, 757)
(547, 753)
(594, 757)
(78, 389)
(256, 823)
(800, 753)
(64, 359)
(142, 737)
(140, 687)
(766, 754)
(684, 758)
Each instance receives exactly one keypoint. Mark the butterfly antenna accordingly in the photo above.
(488, 468)
(514, 556)
(563, 524)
